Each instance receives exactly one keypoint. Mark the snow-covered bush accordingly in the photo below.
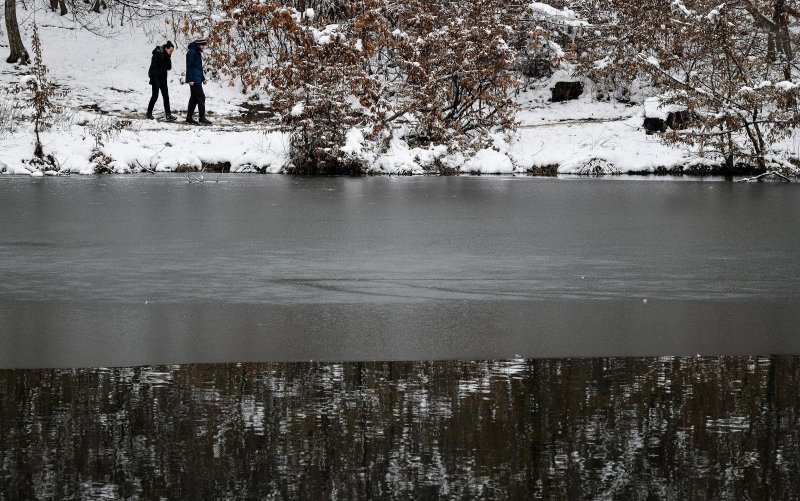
(102, 129)
(555, 33)
(443, 68)
(8, 118)
(730, 66)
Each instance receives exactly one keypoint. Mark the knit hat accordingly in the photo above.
(200, 41)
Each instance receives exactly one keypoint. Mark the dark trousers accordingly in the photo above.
(164, 92)
(198, 99)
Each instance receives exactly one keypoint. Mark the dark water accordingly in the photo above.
(652, 428)
(121, 271)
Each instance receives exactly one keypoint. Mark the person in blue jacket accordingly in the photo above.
(195, 78)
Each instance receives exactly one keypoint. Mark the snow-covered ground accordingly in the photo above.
(107, 84)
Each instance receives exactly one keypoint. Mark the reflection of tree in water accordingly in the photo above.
(658, 428)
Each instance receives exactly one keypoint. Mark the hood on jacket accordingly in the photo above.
(158, 50)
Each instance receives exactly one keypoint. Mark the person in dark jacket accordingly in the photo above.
(160, 64)
(195, 78)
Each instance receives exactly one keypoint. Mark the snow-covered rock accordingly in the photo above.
(489, 161)
(654, 108)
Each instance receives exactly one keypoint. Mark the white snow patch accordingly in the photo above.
(489, 161)
(654, 108)
(566, 16)
(28, 79)
(399, 159)
(354, 142)
(325, 36)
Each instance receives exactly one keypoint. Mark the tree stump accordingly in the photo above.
(566, 91)
(654, 124)
(677, 120)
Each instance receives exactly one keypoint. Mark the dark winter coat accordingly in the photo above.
(160, 64)
(194, 65)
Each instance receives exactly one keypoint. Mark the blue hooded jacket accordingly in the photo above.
(194, 64)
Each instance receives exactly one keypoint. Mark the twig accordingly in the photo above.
(60, 166)
(761, 176)
(145, 168)
(156, 154)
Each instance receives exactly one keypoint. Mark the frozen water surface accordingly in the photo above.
(132, 270)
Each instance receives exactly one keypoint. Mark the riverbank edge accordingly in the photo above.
(692, 170)
(534, 173)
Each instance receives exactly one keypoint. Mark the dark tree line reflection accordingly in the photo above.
(651, 428)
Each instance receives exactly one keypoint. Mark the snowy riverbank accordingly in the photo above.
(104, 109)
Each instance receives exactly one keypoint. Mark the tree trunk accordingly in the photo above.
(59, 4)
(730, 155)
(782, 36)
(18, 51)
(98, 4)
(38, 151)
